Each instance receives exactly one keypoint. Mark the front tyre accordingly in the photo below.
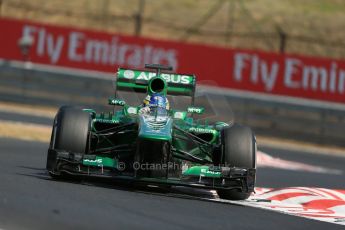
(70, 133)
(239, 148)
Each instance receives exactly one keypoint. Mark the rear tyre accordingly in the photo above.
(239, 145)
(70, 133)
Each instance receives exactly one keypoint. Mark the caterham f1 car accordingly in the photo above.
(164, 147)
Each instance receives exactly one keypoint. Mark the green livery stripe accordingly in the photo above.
(100, 162)
(202, 171)
(129, 85)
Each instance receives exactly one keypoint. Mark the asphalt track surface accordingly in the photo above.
(10, 116)
(29, 199)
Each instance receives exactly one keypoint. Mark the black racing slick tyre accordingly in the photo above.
(239, 150)
(70, 133)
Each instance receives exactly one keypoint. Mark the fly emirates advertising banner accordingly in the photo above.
(256, 71)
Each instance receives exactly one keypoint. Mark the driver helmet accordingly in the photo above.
(157, 100)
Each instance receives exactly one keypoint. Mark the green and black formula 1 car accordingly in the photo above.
(162, 147)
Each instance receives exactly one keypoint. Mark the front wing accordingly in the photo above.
(203, 176)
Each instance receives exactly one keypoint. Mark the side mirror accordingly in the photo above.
(197, 110)
(116, 101)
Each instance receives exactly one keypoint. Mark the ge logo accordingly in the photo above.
(129, 74)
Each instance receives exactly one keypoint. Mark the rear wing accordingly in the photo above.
(137, 81)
